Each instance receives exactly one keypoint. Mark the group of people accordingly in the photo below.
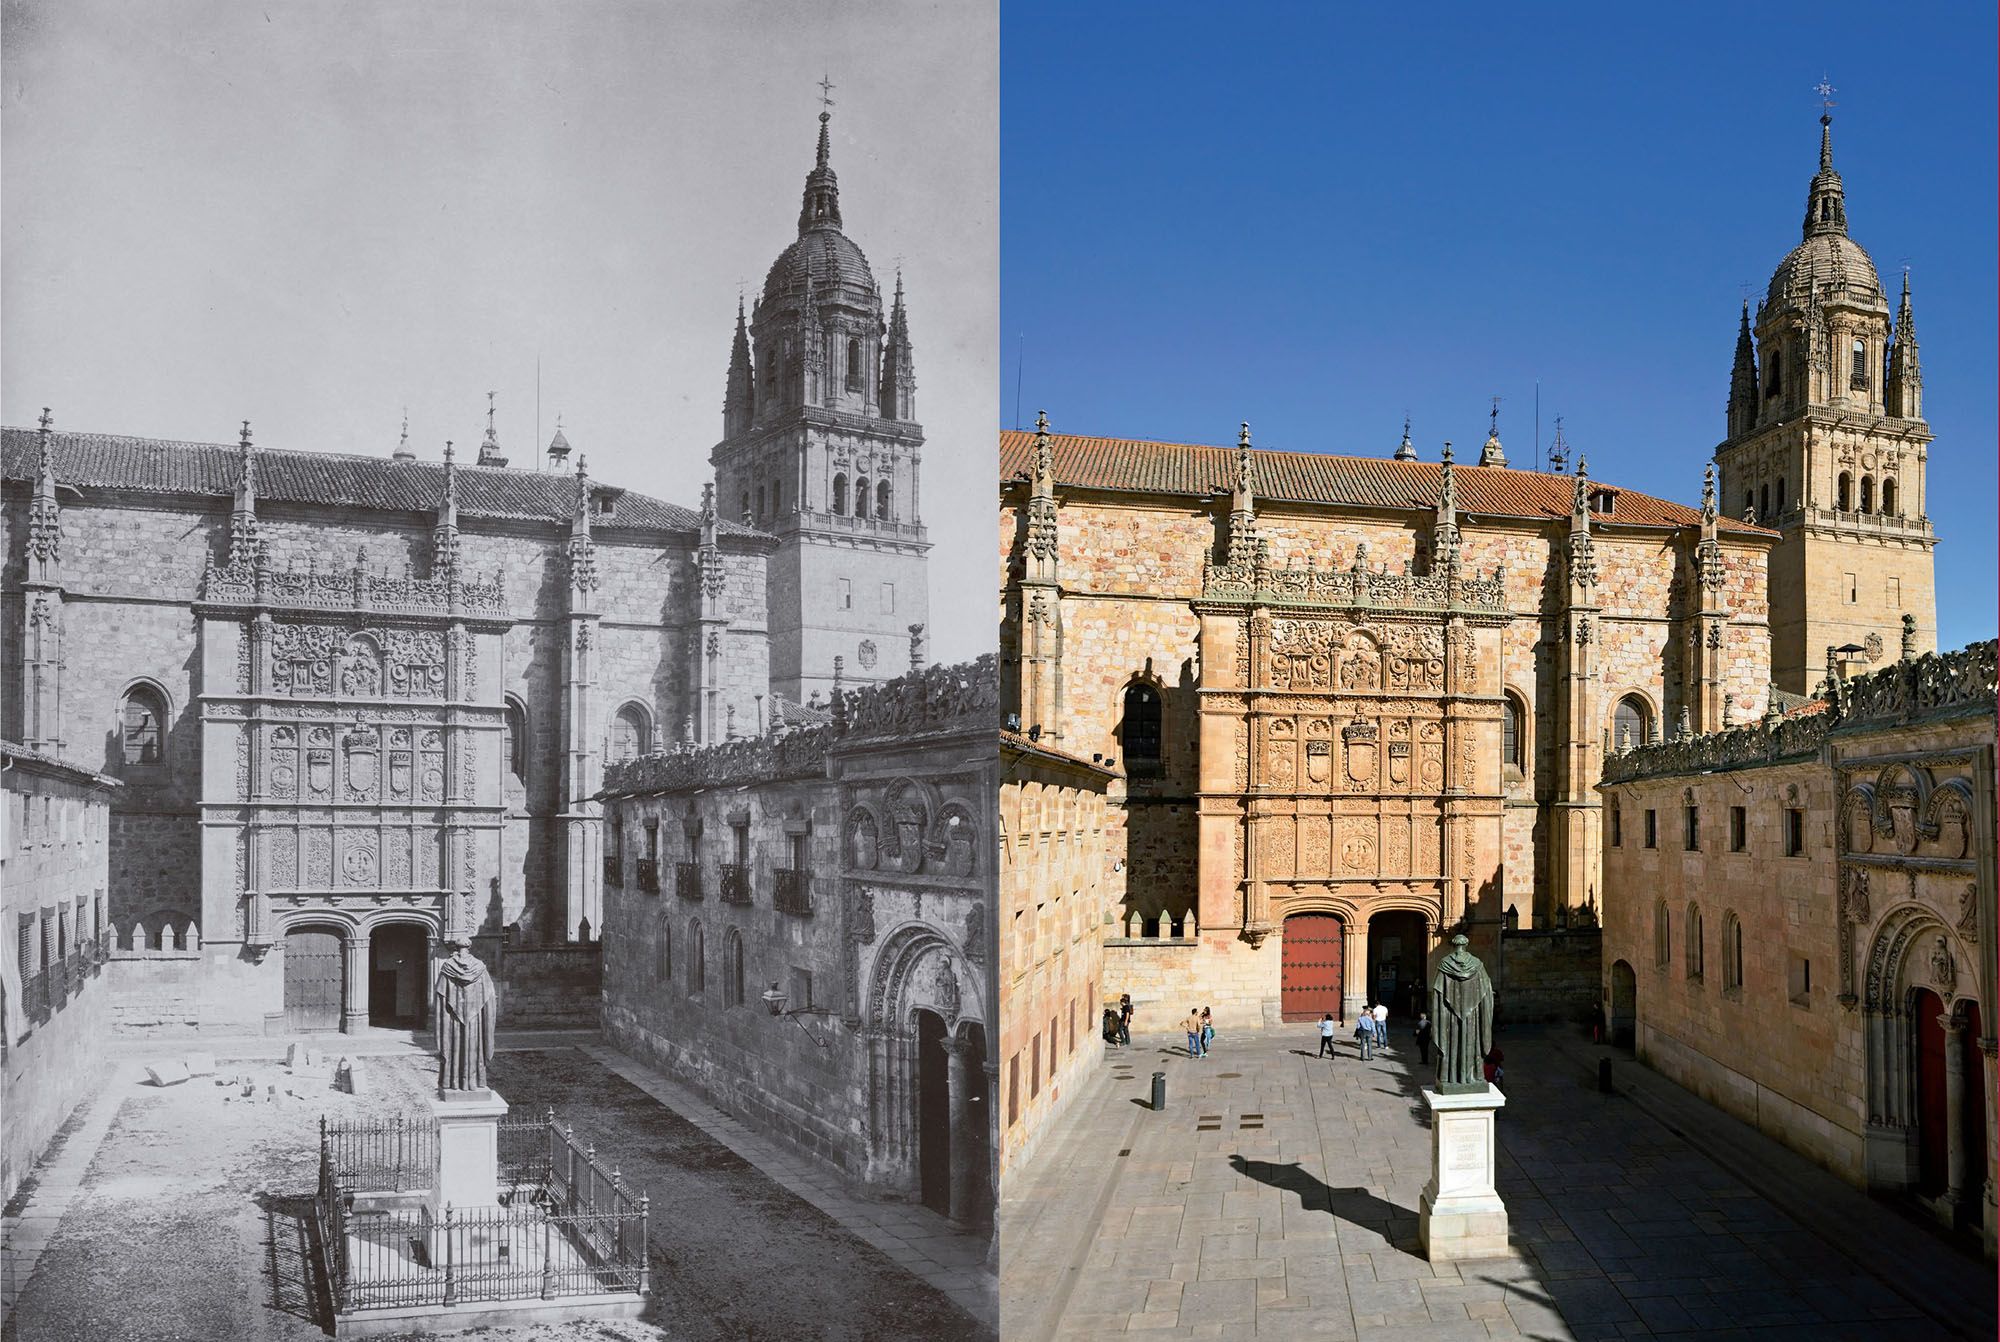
(1200, 1027)
(1371, 1033)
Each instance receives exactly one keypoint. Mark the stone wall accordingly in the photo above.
(54, 850)
(1551, 975)
(560, 986)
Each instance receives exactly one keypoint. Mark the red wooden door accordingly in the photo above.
(313, 979)
(1309, 973)
(1932, 1119)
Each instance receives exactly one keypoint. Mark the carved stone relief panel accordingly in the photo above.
(1361, 748)
(1356, 836)
(1313, 834)
(1430, 757)
(1416, 658)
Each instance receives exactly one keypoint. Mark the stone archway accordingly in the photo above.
(927, 1074)
(315, 976)
(1310, 970)
(399, 975)
(1624, 1020)
(1924, 1136)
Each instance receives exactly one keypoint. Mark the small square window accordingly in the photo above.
(802, 989)
(1652, 829)
(1693, 827)
(1739, 827)
(845, 590)
(1853, 589)
(1799, 980)
(1617, 828)
(888, 598)
(1795, 832)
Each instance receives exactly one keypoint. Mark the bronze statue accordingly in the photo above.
(464, 1007)
(1462, 1020)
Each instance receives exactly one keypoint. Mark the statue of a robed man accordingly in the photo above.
(1461, 1020)
(465, 1007)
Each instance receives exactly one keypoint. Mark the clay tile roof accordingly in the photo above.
(1315, 477)
(159, 466)
(1019, 741)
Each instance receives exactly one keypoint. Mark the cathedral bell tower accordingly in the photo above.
(821, 448)
(1827, 443)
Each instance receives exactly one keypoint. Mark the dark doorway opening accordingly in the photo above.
(313, 978)
(1933, 1119)
(1624, 1006)
(398, 958)
(1396, 945)
(933, 1113)
(1309, 968)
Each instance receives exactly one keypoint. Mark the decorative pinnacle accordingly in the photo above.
(48, 420)
(244, 440)
(1447, 449)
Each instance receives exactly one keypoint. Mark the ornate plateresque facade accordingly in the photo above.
(1355, 703)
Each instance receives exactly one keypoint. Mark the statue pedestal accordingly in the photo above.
(468, 1168)
(1461, 1215)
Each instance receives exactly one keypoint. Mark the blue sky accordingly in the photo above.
(1323, 218)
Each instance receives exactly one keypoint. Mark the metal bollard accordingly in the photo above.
(1159, 1091)
(1604, 1075)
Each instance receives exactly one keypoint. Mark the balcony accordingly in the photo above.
(35, 1001)
(649, 875)
(687, 880)
(735, 884)
(793, 892)
(614, 869)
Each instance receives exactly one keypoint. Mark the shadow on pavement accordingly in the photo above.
(1356, 1205)
(292, 1258)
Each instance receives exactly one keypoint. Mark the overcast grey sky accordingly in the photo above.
(311, 215)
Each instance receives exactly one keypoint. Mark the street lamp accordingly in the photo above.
(774, 999)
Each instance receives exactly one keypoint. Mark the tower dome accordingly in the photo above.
(1827, 264)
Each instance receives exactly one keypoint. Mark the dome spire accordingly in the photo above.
(1826, 208)
(821, 207)
(1406, 450)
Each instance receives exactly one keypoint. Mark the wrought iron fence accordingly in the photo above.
(566, 1226)
(792, 891)
(687, 880)
(735, 884)
(649, 875)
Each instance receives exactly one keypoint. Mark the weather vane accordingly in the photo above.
(1496, 417)
(825, 89)
(1825, 92)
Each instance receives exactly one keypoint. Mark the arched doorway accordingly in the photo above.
(1396, 945)
(1624, 1006)
(398, 976)
(933, 1113)
(1933, 1115)
(1309, 968)
(313, 978)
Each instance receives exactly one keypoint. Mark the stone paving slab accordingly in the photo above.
(1276, 1196)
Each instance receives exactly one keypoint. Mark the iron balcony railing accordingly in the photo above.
(614, 870)
(649, 875)
(792, 891)
(687, 880)
(735, 883)
(35, 997)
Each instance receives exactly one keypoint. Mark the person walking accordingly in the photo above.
(1125, 1019)
(1364, 1035)
(1424, 1037)
(1193, 1027)
(1381, 1025)
(1326, 1035)
(1207, 1031)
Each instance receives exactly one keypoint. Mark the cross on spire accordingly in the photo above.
(1826, 102)
(826, 87)
(1494, 427)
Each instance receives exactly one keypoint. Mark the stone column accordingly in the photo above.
(1353, 969)
(1957, 1158)
(354, 988)
(958, 1084)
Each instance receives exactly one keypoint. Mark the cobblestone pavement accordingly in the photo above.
(1276, 1196)
(174, 1216)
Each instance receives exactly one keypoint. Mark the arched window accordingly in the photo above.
(1781, 496)
(1843, 492)
(1889, 498)
(839, 495)
(514, 725)
(746, 505)
(1732, 950)
(1663, 935)
(1867, 493)
(882, 499)
(697, 969)
(760, 501)
(1141, 734)
(1513, 733)
(861, 496)
(732, 969)
(1694, 958)
(663, 965)
(1773, 374)
(1749, 504)
(142, 724)
(1632, 724)
(1764, 501)
(853, 364)
(631, 734)
(1857, 378)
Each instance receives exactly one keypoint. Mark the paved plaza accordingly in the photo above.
(1276, 1197)
(179, 1214)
